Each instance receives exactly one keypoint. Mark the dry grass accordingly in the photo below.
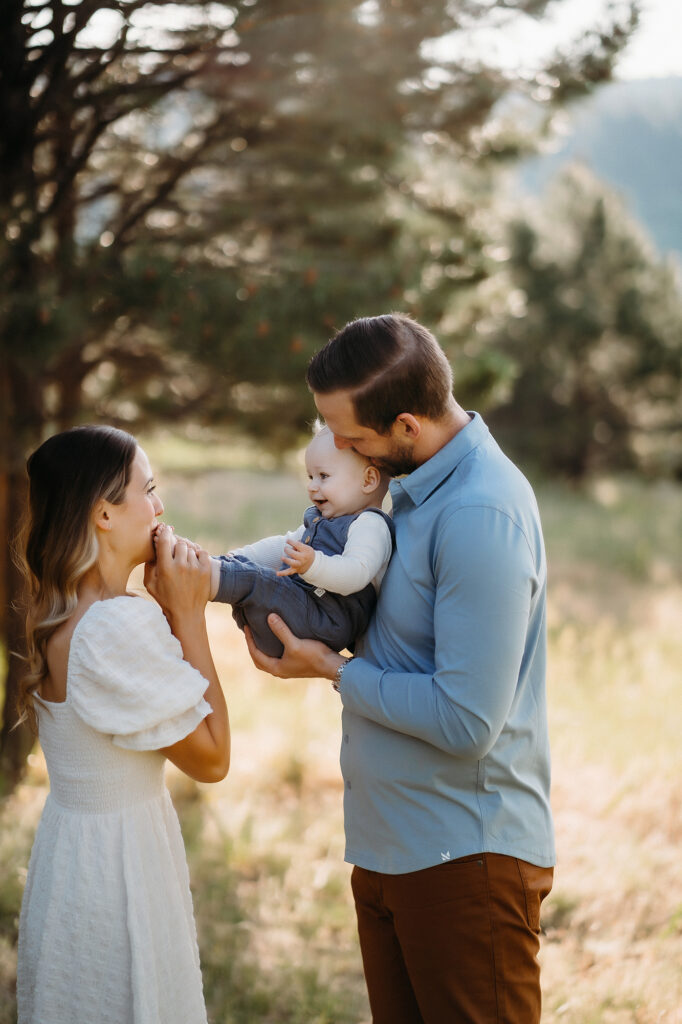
(265, 847)
(613, 948)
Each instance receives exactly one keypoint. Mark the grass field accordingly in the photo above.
(275, 918)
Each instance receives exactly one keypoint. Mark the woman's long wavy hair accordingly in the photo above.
(68, 475)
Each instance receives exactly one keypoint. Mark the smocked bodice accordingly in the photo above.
(88, 773)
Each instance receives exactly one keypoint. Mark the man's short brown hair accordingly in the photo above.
(390, 364)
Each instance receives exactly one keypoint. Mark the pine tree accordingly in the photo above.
(595, 336)
(194, 195)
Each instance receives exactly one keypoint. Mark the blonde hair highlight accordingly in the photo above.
(68, 475)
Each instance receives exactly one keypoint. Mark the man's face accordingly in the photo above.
(384, 451)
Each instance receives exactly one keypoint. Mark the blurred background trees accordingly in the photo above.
(194, 196)
(592, 332)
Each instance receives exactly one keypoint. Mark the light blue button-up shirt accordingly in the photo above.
(445, 749)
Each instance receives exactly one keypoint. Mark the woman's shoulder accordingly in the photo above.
(53, 686)
(127, 675)
(124, 608)
(119, 620)
(59, 642)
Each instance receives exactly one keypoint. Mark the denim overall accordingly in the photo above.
(255, 591)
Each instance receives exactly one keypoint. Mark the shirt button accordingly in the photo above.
(307, 540)
(348, 785)
(346, 738)
(316, 519)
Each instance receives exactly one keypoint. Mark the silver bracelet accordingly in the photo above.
(336, 681)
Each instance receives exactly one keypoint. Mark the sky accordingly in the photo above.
(655, 50)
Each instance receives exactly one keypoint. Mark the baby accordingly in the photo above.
(322, 578)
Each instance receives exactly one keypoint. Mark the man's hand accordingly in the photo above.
(302, 659)
(298, 556)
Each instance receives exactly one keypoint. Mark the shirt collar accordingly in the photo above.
(424, 480)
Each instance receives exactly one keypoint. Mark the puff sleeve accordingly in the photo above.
(127, 676)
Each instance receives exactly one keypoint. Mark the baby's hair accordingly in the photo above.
(320, 428)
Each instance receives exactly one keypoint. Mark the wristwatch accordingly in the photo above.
(336, 681)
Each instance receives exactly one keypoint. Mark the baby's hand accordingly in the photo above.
(298, 556)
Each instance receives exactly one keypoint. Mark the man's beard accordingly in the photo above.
(397, 462)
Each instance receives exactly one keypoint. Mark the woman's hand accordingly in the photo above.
(302, 659)
(179, 578)
(174, 538)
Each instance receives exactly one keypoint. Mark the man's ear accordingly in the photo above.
(406, 427)
(101, 516)
(371, 479)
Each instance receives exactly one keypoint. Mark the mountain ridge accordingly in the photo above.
(629, 133)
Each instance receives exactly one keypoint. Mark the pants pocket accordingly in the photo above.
(537, 883)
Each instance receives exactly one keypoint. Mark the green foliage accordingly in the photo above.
(593, 322)
(191, 211)
(193, 196)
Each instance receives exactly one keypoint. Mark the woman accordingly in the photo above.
(114, 687)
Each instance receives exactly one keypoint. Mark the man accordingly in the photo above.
(445, 753)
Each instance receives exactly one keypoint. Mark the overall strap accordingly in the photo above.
(387, 519)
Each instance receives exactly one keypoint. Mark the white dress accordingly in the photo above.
(107, 933)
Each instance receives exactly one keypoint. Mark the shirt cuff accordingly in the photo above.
(310, 574)
(360, 680)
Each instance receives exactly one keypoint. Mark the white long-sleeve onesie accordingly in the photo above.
(364, 559)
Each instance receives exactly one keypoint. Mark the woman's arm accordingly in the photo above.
(179, 580)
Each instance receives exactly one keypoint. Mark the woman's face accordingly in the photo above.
(135, 518)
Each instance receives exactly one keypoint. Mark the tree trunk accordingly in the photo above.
(15, 741)
(20, 430)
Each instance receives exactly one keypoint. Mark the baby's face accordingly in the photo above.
(336, 478)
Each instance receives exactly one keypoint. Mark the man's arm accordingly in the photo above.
(485, 576)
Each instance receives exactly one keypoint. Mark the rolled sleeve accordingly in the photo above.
(268, 551)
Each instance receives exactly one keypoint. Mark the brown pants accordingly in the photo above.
(453, 944)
